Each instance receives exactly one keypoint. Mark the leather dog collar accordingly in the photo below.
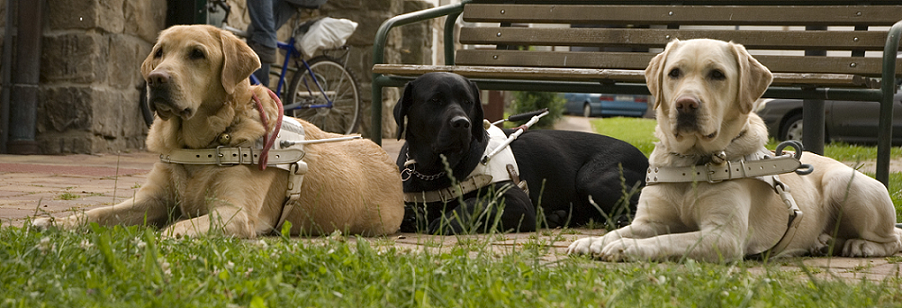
(229, 156)
(757, 164)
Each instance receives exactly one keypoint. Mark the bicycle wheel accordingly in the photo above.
(338, 84)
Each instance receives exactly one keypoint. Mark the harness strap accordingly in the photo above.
(490, 170)
(731, 170)
(229, 156)
(446, 194)
(795, 218)
(760, 166)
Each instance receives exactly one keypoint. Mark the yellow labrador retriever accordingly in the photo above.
(705, 92)
(199, 88)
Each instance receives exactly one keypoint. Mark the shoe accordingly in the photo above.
(266, 54)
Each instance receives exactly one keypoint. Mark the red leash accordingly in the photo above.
(268, 141)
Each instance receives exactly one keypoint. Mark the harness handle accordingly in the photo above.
(804, 169)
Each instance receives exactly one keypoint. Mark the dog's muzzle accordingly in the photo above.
(687, 113)
(159, 84)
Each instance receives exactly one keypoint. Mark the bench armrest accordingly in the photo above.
(451, 10)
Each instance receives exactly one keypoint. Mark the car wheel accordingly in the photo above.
(587, 110)
(792, 128)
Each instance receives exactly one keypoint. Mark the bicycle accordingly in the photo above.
(322, 90)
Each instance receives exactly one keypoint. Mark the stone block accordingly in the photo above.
(103, 14)
(116, 114)
(85, 119)
(146, 18)
(124, 68)
(62, 109)
(78, 57)
(80, 142)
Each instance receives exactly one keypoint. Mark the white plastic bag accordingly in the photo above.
(327, 33)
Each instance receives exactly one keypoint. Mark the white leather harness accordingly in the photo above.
(762, 165)
(287, 153)
(501, 167)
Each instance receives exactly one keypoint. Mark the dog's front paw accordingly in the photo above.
(627, 249)
(822, 245)
(42, 223)
(864, 248)
(589, 246)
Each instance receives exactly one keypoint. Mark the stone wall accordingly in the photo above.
(92, 50)
(90, 77)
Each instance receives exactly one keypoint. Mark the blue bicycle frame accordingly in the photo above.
(294, 53)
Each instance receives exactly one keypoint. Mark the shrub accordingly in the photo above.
(526, 101)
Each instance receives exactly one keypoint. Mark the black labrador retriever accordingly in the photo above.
(562, 169)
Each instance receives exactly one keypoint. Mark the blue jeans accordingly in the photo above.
(267, 16)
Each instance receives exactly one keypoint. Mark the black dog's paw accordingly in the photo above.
(414, 219)
(556, 219)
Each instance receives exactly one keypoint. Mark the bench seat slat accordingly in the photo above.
(639, 60)
(599, 75)
(834, 15)
(658, 38)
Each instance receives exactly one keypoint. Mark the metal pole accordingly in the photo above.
(5, 72)
(813, 112)
(24, 104)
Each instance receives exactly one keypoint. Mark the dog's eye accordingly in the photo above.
(675, 73)
(196, 54)
(717, 75)
(158, 53)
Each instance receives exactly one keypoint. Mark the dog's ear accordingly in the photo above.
(238, 61)
(402, 106)
(146, 68)
(654, 73)
(477, 131)
(147, 65)
(754, 78)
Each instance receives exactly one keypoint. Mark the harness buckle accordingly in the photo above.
(218, 156)
(709, 174)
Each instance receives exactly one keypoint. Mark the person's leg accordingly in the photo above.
(262, 35)
(282, 12)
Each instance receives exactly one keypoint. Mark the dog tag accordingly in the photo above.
(225, 138)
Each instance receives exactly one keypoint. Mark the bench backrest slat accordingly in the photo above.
(639, 60)
(877, 15)
(623, 36)
(658, 38)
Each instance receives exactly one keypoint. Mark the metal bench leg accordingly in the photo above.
(377, 114)
(813, 125)
(888, 85)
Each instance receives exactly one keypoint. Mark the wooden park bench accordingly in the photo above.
(529, 45)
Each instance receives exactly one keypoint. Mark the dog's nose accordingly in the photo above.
(460, 122)
(157, 78)
(686, 104)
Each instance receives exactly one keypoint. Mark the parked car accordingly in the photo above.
(608, 105)
(846, 121)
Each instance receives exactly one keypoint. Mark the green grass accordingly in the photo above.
(67, 196)
(135, 267)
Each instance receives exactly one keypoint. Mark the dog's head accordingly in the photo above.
(443, 113)
(704, 92)
(191, 64)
